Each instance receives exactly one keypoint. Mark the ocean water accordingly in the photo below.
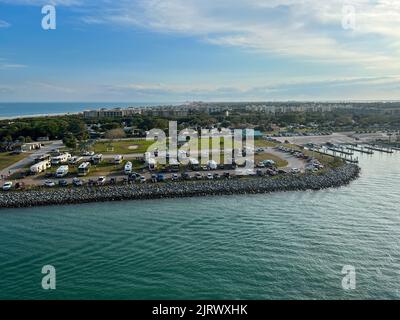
(48, 108)
(274, 246)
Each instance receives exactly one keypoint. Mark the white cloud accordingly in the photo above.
(380, 87)
(4, 24)
(67, 3)
(5, 65)
(304, 28)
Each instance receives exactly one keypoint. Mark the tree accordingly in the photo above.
(70, 141)
(113, 134)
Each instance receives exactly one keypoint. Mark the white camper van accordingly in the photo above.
(118, 159)
(40, 167)
(128, 168)
(212, 165)
(150, 161)
(62, 171)
(152, 164)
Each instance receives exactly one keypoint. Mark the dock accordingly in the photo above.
(342, 150)
(380, 149)
(361, 150)
(347, 158)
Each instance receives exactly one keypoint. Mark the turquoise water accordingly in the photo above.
(277, 246)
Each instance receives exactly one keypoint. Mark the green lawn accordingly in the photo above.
(268, 156)
(264, 144)
(7, 159)
(122, 147)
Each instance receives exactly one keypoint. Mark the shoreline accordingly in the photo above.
(333, 178)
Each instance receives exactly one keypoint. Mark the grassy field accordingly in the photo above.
(264, 144)
(6, 159)
(141, 146)
(267, 156)
(122, 147)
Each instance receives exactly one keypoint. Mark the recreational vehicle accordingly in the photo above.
(62, 158)
(84, 169)
(194, 163)
(62, 171)
(118, 159)
(174, 164)
(151, 163)
(96, 159)
(212, 165)
(40, 167)
(128, 168)
(43, 157)
(75, 160)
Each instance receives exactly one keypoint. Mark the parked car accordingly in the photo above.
(153, 178)
(133, 176)
(63, 183)
(7, 186)
(198, 176)
(20, 185)
(77, 182)
(210, 176)
(49, 184)
(175, 177)
(113, 181)
(88, 153)
(160, 177)
(142, 179)
(216, 176)
(186, 176)
(295, 171)
(101, 181)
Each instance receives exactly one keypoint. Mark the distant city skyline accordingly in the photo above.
(187, 50)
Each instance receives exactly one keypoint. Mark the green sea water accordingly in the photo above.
(273, 246)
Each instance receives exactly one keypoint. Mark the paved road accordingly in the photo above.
(293, 162)
(30, 159)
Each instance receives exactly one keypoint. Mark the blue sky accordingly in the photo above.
(211, 50)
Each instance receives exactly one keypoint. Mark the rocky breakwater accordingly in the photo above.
(245, 185)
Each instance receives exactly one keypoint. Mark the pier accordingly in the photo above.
(361, 150)
(347, 157)
(341, 150)
(380, 149)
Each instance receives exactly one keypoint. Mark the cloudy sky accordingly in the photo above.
(180, 50)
